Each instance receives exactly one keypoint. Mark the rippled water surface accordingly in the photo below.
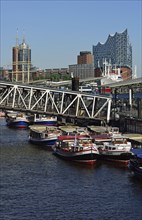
(36, 185)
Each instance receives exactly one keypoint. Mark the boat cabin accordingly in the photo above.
(41, 132)
(74, 145)
(114, 130)
(117, 143)
(119, 140)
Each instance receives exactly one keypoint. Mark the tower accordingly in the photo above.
(21, 62)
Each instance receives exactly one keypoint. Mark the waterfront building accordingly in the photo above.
(85, 66)
(85, 57)
(82, 71)
(117, 50)
(21, 62)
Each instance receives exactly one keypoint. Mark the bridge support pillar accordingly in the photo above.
(75, 84)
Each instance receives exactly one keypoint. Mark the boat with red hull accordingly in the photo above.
(80, 149)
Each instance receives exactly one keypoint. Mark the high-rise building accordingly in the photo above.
(85, 57)
(21, 62)
(117, 50)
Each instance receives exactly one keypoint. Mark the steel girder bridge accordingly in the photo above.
(48, 101)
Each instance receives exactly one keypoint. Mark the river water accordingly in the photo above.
(36, 185)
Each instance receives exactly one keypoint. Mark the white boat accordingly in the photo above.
(43, 135)
(117, 150)
(45, 120)
(81, 150)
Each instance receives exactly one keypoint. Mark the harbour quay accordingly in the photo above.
(136, 139)
(127, 105)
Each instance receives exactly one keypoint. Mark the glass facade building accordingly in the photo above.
(21, 63)
(117, 50)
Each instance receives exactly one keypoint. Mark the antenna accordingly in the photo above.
(23, 36)
(17, 39)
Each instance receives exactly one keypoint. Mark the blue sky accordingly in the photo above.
(57, 31)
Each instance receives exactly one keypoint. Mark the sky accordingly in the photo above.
(57, 31)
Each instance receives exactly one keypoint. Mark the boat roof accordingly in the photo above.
(41, 128)
(72, 138)
(116, 136)
(69, 128)
(98, 128)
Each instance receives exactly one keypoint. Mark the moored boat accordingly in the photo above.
(81, 150)
(72, 132)
(117, 150)
(43, 135)
(135, 165)
(45, 121)
(17, 120)
(102, 134)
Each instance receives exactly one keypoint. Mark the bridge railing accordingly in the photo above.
(43, 100)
